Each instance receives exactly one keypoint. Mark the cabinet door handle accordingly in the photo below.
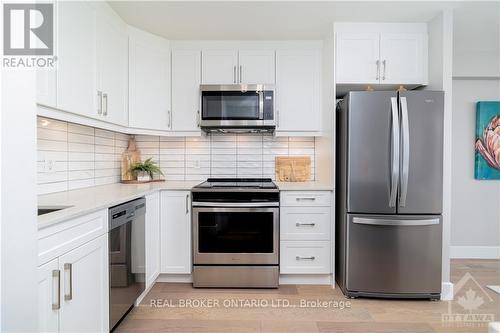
(169, 119)
(56, 276)
(105, 102)
(377, 76)
(384, 64)
(198, 118)
(305, 258)
(277, 118)
(99, 102)
(234, 74)
(306, 199)
(69, 268)
(241, 73)
(187, 204)
(298, 224)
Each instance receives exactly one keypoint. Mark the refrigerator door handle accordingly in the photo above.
(394, 153)
(403, 223)
(405, 151)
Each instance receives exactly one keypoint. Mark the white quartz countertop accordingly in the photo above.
(91, 199)
(305, 186)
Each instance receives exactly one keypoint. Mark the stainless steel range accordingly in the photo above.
(236, 233)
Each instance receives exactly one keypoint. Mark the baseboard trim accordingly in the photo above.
(321, 279)
(175, 278)
(475, 252)
(446, 291)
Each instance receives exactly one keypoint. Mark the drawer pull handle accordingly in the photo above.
(298, 224)
(69, 296)
(56, 275)
(305, 199)
(304, 258)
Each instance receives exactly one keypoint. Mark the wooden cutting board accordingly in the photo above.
(293, 168)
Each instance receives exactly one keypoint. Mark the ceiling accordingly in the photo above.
(265, 20)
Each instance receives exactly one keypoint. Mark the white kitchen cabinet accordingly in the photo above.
(305, 232)
(372, 54)
(176, 232)
(149, 80)
(85, 288)
(298, 95)
(305, 257)
(233, 66)
(403, 58)
(112, 66)
(357, 58)
(152, 238)
(219, 66)
(256, 66)
(76, 62)
(186, 78)
(49, 299)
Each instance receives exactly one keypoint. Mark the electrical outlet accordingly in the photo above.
(197, 164)
(49, 165)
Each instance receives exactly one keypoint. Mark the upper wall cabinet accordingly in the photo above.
(357, 58)
(256, 66)
(91, 75)
(77, 64)
(298, 91)
(404, 58)
(244, 66)
(149, 81)
(219, 66)
(112, 66)
(186, 78)
(373, 54)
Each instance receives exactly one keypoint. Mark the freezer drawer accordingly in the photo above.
(394, 256)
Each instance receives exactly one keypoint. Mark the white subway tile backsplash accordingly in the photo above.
(81, 138)
(80, 129)
(79, 156)
(83, 156)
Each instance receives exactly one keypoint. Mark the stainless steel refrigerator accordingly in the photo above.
(389, 174)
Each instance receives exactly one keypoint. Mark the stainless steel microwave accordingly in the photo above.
(237, 108)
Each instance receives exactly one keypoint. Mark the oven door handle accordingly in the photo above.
(235, 204)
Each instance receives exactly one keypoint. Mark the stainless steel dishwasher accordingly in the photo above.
(127, 269)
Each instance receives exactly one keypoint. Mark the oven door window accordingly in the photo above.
(230, 105)
(235, 232)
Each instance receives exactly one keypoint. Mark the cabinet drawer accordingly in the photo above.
(305, 223)
(305, 199)
(60, 238)
(305, 257)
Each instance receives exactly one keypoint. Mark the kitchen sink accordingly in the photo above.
(42, 210)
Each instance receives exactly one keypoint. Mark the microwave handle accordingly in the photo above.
(261, 105)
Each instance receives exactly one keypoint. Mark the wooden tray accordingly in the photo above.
(293, 168)
(142, 182)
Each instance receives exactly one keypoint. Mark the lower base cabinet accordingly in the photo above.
(176, 232)
(73, 290)
(305, 232)
(152, 238)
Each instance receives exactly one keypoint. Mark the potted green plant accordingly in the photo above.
(146, 170)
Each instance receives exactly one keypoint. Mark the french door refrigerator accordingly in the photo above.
(389, 194)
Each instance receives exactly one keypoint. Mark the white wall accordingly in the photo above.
(18, 193)
(475, 229)
(440, 71)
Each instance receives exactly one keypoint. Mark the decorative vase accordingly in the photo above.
(129, 157)
(143, 176)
